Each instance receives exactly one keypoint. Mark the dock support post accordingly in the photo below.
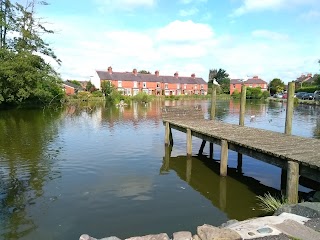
(189, 142)
(170, 136)
(166, 160)
(239, 166)
(242, 105)
(213, 102)
(203, 144)
(283, 180)
(292, 182)
(224, 158)
(167, 134)
(289, 112)
(211, 150)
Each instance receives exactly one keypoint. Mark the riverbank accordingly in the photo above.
(300, 221)
(299, 101)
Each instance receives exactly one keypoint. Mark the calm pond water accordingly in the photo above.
(105, 171)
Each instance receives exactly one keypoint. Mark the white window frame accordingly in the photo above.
(195, 86)
(119, 84)
(185, 86)
(144, 84)
(158, 85)
(178, 85)
(166, 86)
(202, 86)
(135, 84)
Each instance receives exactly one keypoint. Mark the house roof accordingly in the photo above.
(235, 81)
(255, 81)
(305, 78)
(140, 77)
(72, 85)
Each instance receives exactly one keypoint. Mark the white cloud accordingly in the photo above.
(258, 5)
(188, 12)
(310, 15)
(266, 34)
(179, 31)
(126, 5)
(192, 1)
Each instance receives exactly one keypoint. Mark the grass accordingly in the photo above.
(269, 203)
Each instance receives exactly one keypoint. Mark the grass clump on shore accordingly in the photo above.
(269, 203)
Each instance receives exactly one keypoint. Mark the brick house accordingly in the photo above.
(303, 79)
(235, 84)
(131, 83)
(71, 88)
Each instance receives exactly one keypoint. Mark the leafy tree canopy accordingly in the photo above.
(276, 86)
(24, 74)
(222, 77)
(144, 72)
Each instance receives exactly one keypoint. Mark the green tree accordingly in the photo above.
(24, 74)
(90, 87)
(222, 77)
(276, 86)
(75, 82)
(107, 88)
(144, 72)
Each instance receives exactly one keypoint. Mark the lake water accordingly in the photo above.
(105, 171)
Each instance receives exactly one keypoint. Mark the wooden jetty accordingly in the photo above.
(297, 155)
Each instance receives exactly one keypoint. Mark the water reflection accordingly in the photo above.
(26, 164)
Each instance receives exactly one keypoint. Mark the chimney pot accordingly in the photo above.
(176, 74)
(193, 75)
(156, 73)
(110, 70)
(134, 71)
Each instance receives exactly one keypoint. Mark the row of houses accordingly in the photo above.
(235, 84)
(132, 83)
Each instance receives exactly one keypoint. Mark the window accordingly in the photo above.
(185, 86)
(128, 91)
(166, 85)
(195, 86)
(119, 84)
(202, 86)
(158, 84)
(144, 85)
(178, 86)
(250, 85)
(135, 84)
(234, 86)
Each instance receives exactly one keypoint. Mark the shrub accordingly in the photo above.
(310, 89)
(97, 94)
(270, 204)
(236, 94)
(142, 97)
(265, 94)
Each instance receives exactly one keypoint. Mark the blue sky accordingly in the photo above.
(268, 38)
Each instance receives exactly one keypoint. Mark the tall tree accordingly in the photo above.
(276, 86)
(6, 21)
(222, 77)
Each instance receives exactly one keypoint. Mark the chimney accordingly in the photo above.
(193, 75)
(134, 71)
(176, 75)
(255, 77)
(156, 73)
(309, 75)
(110, 70)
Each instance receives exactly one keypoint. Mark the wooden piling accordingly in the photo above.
(292, 182)
(167, 134)
(242, 105)
(170, 136)
(211, 150)
(239, 166)
(213, 102)
(289, 111)
(224, 158)
(203, 144)
(189, 142)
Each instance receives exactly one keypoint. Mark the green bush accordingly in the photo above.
(143, 97)
(265, 94)
(310, 89)
(97, 94)
(236, 94)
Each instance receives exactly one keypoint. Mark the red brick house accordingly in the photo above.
(71, 88)
(303, 79)
(131, 83)
(235, 84)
